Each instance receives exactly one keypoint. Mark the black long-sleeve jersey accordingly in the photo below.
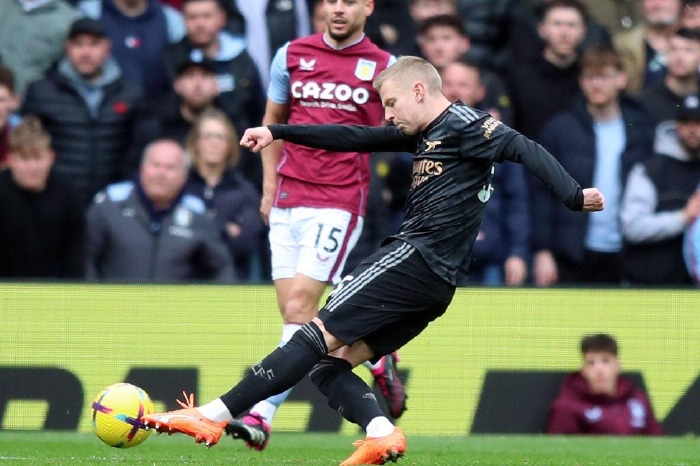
(452, 170)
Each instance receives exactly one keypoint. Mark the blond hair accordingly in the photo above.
(29, 135)
(409, 69)
(231, 136)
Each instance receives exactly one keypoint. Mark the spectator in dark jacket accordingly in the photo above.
(597, 400)
(681, 79)
(42, 233)
(230, 200)
(150, 230)
(525, 42)
(391, 27)
(597, 140)
(490, 25)
(90, 110)
(194, 91)
(242, 96)
(548, 84)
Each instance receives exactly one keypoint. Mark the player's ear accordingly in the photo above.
(418, 91)
(369, 7)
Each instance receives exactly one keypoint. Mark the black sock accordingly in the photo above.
(346, 392)
(280, 370)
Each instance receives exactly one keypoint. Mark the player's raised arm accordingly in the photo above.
(338, 138)
(549, 171)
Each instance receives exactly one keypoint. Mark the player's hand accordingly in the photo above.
(265, 208)
(593, 200)
(255, 139)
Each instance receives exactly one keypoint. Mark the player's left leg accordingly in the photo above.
(277, 372)
(351, 396)
(390, 298)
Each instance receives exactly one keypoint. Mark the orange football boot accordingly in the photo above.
(378, 450)
(188, 421)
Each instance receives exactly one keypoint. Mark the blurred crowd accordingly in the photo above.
(120, 120)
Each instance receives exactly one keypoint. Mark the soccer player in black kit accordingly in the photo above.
(395, 293)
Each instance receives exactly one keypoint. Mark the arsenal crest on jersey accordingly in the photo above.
(365, 69)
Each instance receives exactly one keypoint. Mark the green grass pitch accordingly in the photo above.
(53, 448)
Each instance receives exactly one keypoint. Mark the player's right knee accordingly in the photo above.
(299, 310)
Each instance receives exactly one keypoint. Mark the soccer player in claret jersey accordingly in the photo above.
(315, 200)
(395, 293)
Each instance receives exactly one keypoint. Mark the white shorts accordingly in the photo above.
(314, 242)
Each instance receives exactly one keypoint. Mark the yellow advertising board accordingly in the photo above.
(61, 344)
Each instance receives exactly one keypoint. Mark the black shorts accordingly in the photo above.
(387, 300)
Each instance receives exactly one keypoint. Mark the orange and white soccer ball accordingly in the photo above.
(116, 415)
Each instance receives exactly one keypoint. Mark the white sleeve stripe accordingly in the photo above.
(468, 117)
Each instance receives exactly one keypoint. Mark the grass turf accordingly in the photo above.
(54, 448)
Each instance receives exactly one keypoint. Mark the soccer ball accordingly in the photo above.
(116, 415)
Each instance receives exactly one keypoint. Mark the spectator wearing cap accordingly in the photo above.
(89, 109)
(241, 93)
(194, 90)
(31, 36)
(663, 98)
(139, 31)
(661, 200)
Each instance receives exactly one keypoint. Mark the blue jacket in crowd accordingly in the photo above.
(570, 137)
